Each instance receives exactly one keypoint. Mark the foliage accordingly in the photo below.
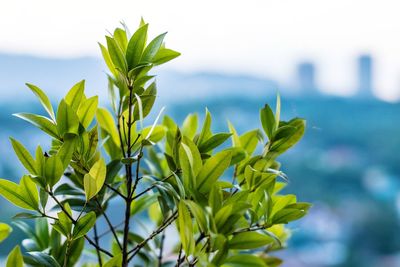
(175, 176)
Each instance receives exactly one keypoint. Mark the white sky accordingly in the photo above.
(260, 37)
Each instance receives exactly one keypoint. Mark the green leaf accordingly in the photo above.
(121, 39)
(280, 202)
(135, 46)
(89, 184)
(83, 225)
(268, 121)
(185, 227)
(15, 258)
(250, 140)
(116, 55)
(206, 130)
(189, 127)
(43, 123)
(64, 224)
(94, 180)
(54, 170)
(249, 240)
(43, 99)
(244, 260)
(87, 111)
(199, 215)
(164, 55)
(287, 215)
(114, 261)
(67, 149)
(106, 122)
(152, 49)
(42, 259)
(212, 170)
(24, 156)
(67, 120)
(190, 161)
(107, 59)
(74, 96)
(5, 231)
(213, 142)
(288, 140)
(25, 195)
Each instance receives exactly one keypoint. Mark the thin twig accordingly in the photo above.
(160, 255)
(115, 190)
(161, 228)
(108, 222)
(151, 187)
(180, 259)
(96, 240)
(91, 242)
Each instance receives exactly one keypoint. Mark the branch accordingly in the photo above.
(91, 242)
(96, 240)
(151, 187)
(166, 223)
(108, 222)
(160, 255)
(115, 190)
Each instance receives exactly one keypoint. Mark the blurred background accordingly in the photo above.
(335, 63)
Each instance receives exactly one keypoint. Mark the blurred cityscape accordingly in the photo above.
(347, 165)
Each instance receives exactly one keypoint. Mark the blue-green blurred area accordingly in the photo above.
(347, 165)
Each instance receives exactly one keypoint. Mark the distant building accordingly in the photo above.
(306, 78)
(365, 76)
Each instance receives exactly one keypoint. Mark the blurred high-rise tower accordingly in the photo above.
(306, 78)
(365, 76)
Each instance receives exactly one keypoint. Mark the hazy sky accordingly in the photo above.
(261, 37)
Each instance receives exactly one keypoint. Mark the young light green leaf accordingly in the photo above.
(94, 180)
(87, 111)
(43, 99)
(15, 258)
(135, 46)
(164, 55)
(152, 49)
(235, 137)
(25, 195)
(74, 96)
(89, 184)
(185, 227)
(121, 38)
(5, 231)
(213, 142)
(199, 214)
(83, 225)
(268, 121)
(54, 169)
(24, 156)
(249, 240)
(287, 215)
(114, 261)
(244, 260)
(189, 127)
(107, 59)
(67, 120)
(206, 130)
(116, 55)
(212, 170)
(106, 122)
(43, 123)
(67, 149)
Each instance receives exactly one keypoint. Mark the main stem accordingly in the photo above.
(128, 170)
